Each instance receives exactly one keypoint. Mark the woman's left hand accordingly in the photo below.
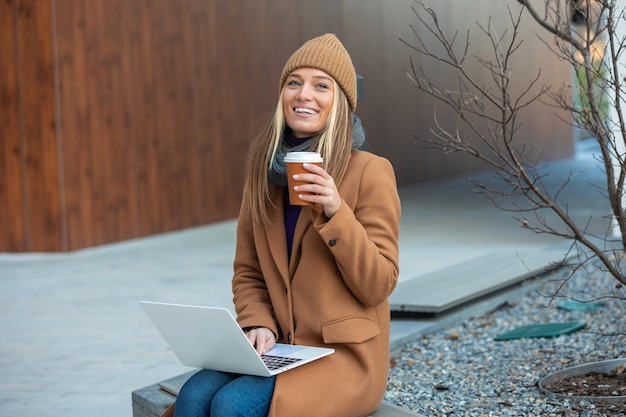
(322, 185)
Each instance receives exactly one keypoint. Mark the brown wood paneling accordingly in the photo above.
(162, 83)
(363, 26)
(403, 107)
(226, 106)
(145, 89)
(12, 203)
(127, 102)
(179, 179)
(76, 51)
(203, 140)
(158, 101)
(98, 155)
(39, 127)
(319, 17)
(112, 152)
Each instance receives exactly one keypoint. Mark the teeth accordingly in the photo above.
(304, 110)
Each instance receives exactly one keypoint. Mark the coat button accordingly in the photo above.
(289, 338)
(286, 289)
(332, 242)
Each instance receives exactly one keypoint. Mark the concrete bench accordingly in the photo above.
(152, 400)
(488, 274)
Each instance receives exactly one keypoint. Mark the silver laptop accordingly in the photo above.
(210, 338)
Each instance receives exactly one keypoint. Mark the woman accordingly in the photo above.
(318, 275)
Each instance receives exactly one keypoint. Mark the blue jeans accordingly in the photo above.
(219, 394)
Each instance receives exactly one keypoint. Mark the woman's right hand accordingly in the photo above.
(262, 339)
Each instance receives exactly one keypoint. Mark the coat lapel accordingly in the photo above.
(302, 225)
(276, 238)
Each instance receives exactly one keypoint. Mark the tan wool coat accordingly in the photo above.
(332, 292)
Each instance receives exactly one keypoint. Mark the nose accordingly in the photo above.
(305, 92)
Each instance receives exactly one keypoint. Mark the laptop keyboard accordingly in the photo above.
(276, 362)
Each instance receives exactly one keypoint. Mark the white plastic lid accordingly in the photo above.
(303, 157)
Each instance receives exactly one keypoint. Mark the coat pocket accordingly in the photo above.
(355, 329)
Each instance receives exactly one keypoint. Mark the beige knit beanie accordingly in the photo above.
(329, 55)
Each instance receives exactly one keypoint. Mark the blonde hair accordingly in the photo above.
(334, 143)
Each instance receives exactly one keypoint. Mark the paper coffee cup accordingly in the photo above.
(294, 161)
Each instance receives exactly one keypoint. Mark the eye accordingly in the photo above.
(293, 83)
(322, 86)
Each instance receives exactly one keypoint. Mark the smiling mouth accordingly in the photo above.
(303, 110)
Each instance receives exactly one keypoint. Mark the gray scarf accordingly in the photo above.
(277, 175)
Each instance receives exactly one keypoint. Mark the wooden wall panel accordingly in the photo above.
(229, 96)
(363, 27)
(12, 201)
(319, 17)
(126, 118)
(40, 178)
(178, 166)
(205, 139)
(75, 54)
(112, 153)
(146, 91)
(95, 106)
(403, 107)
(163, 88)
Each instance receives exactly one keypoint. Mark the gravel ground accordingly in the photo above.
(462, 371)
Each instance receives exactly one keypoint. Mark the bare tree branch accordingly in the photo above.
(487, 112)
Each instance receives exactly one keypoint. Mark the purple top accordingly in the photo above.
(291, 212)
